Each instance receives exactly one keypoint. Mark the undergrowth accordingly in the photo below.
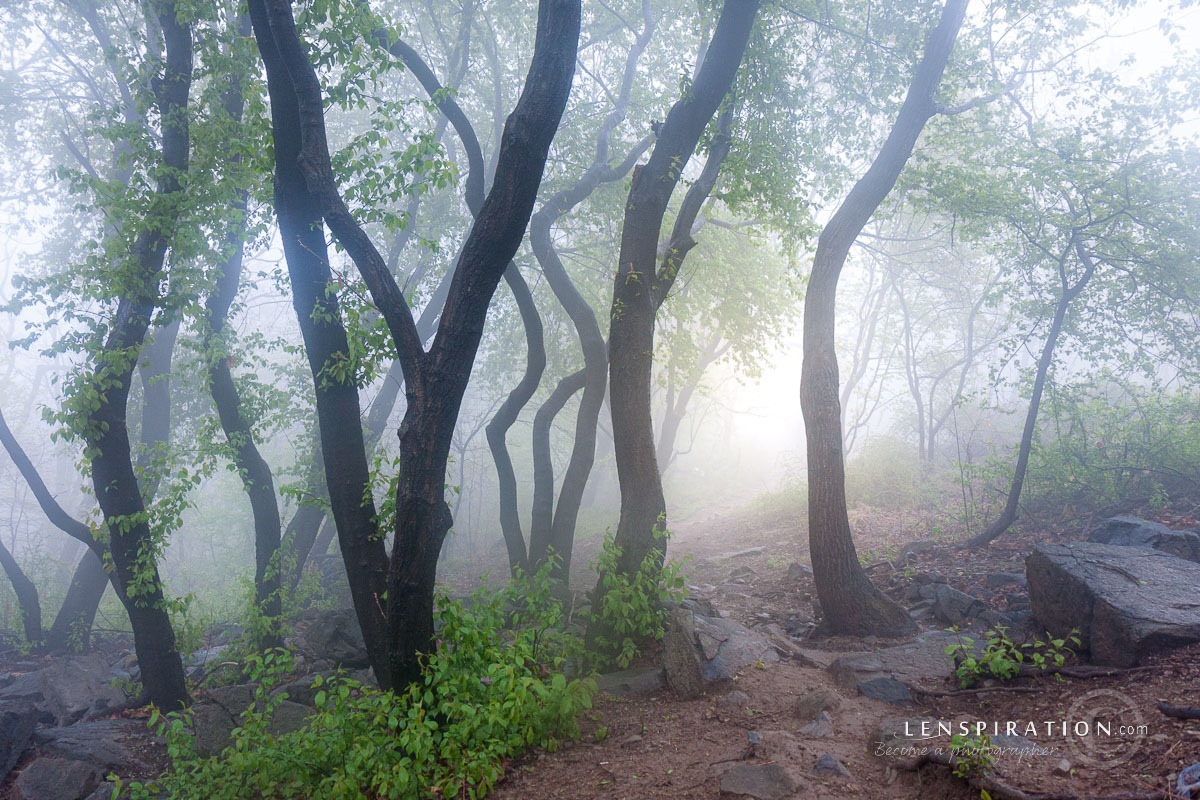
(493, 688)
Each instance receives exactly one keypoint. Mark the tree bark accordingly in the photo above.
(27, 597)
(850, 602)
(640, 287)
(435, 380)
(347, 475)
(1045, 359)
(131, 540)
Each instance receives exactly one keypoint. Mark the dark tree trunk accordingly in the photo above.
(1069, 292)
(641, 286)
(343, 452)
(27, 597)
(257, 479)
(851, 604)
(542, 519)
(131, 541)
(73, 623)
(434, 381)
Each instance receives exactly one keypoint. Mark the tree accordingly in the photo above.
(641, 283)
(850, 602)
(435, 380)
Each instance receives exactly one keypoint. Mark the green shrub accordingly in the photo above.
(633, 611)
(493, 689)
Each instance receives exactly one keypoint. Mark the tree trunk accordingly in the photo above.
(851, 604)
(1045, 359)
(434, 381)
(27, 597)
(640, 287)
(347, 475)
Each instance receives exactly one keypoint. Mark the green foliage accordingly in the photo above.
(1001, 658)
(973, 754)
(493, 689)
(633, 611)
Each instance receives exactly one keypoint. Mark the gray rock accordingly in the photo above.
(808, 706)
(101, 743)
(954, 607)
(51, 778)
(1129, 531)
(1126, 602)
(681, 659)
(17, 721)
(827, 764)
(728, 646)
(798, 572)
(820, 727)
(333, 636)
(994, 580)
(639, 680)
(922, 658)
(888, 689)
(79, 686)
(748, 551)
(213, 723)
(761, 781)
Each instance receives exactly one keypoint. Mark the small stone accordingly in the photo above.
(798, 572)
(889, 690)
(808, 706)
(1063, 767)
(820, 727)
(760, 781)
(633, 738)
(828, 764)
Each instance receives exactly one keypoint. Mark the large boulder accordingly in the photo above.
(699, 649)
(1125, 602)
(1128, 531)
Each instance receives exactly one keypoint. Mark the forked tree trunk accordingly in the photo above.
(435, 380)
(27, 596)
(640, 287)
(850, 602)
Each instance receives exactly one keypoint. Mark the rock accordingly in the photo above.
(922, 658)
(213, 721)
(742, 574)
(17, 721)
(820, 727)
(889, 690)
(737, 700)
(1188, 783)
(930, 578)
(808, 706)
(1129, 531)
(798, 572)
(633, 738)
(954, 607)
(1063, 767)
(52, 778)
(761, 781)
(749, 551)
(700, 607)
(1126, 602)
(79, 686)
(913, 548)
(828, 764)
(101, 743)
(681, 659)
(728, 646)
(994, 580)
(333, 636)
(639, 680)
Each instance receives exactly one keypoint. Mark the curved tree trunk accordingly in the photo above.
(641, 285)
(435, 380)
(27, 596)
(851, 604)
(131, 540)
(1045, 359)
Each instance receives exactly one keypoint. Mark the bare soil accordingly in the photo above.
(657, 746)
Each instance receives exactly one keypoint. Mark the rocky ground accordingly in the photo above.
(753, 702)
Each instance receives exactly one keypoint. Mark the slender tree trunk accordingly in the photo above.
(27, 597)
(1069, 292)
(435, 380)
(131, 541)
(343, 451)
(640, 287)
(851, 604)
